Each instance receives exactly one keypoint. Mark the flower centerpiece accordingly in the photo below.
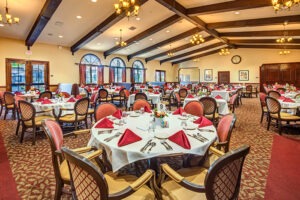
(159, 117)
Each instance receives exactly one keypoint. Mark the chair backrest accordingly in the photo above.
(47, 94)
(104, 110)
(274, 94)
(189, 86)
(127, 93)
(297, 96)
(87, 180)
(140, 95)
(27, 110)
(8, 98)
(94, 97)
(273, 105)
(281, 90)
(225, 127)
(81, 106)
(177, 98)
(102, 93)
(209, 105)
(249, 88)
(183, 92)
(262, 98)
(204, 88)
(224, 175)
(122, 93)
(194, 108)
(140, 103)
(233, 102)
(66, 94)
(75, 90)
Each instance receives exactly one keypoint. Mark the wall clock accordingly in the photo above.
(236, 59)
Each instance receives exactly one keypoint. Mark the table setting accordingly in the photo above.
(289, 105)
(154, 96)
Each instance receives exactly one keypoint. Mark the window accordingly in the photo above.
(22, 74)
(138, 72)
(91, 71)
(160, 75)
(117, 70)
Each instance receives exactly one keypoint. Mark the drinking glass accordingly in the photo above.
(142, 110)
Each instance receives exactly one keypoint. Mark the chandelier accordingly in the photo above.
(224, 52)
(285, 38)
(121, 42)
(8, 18)
(130, 7)
(284, 4)
(170, 53)
(284, 52)
(197, 39)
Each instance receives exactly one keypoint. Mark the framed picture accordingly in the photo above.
(208, 75)
(244, 75)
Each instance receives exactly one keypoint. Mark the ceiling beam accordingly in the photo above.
(255, 22)
(164, 24)
(162, 43)
(195, 57)
(260, 33)
(270, 41)
(98, 30)
(182, 11)
(228, 6)
(45, 15)
(201, 49)
(183, 47)
(268, 46)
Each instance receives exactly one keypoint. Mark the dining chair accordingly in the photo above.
(281, 90)
(141, 103)
(255, 90)
(274, 112)
(274, 94)
(9, 104)
(66, 94)
(194, 108)
(104, 110)
(224, 131)
(126, 95)
(297, 96)
(17, 99)
(140, 95)
(103, 96)
(263, 105)
(248, 91)
(75, 89)
(220, 181)
(80, 113)
(233, 101)
(177, 99)
(55, 137)
(88, 182)
(46, 94)
(210, 108)
(120, 98)
(240, 95)
(1, 102)
(168, 100)
(183, 92)
(30, 119)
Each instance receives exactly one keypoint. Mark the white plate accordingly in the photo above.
(134, 115)
(182, 118)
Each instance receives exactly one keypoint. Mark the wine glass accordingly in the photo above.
(142, 110)
(124, 116)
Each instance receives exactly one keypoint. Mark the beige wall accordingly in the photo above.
(62, 62)
(252, 59)
(194, 73)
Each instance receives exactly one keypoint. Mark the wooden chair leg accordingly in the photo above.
(262, 117)
(6, 111)
(86, 123)
(279, 127)
(269, 123)
(58, 190)
(22, 134)
(34, 135)
(18, 127)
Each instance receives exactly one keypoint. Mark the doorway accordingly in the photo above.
(224, 77)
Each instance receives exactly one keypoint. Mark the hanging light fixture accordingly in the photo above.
(170, 53)
(121, 42)
(284, 4)
(8, 18)
(130, 7)
(224, 52)
(284, 40)
(284, 52)
(197, 39)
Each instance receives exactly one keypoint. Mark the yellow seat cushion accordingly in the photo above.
(286, 116)
(106, 99)
(165, 102)
(211, 116)
(265, 109)
(10, 106)
(91, 111)
(117, 183)
(38, 120)
(173, 191)
(64, 171)
(71, 118)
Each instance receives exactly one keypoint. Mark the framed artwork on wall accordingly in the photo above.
(208, 75)
(243, 75)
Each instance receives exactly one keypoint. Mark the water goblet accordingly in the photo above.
(142, 110)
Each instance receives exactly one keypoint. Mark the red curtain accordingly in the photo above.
(144, 76)
(111, 74)
(100, 75)
(82, 75)
(124, 75)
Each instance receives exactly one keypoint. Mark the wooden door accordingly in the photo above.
(223, 77)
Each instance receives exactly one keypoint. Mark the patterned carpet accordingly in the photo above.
(32, 166)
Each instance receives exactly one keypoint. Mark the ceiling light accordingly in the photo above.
(167, 31)
(94, 1)
(98, 43)
(8, 18)
(129, 7)
(224, 52)
(138, 19)
(79, 17)
(121, 42)
(60, 36)
(197, 39)
(285, 38)
(170, 53)
(284, 52)
(1, 25)
(237, 12)
(284, 4)
(150, 39)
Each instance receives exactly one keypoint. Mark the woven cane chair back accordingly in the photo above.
(81, 106)
(46, 94)
(27, 110)
(8, 98)
(209, 105)
(273, 105)
(274, 94)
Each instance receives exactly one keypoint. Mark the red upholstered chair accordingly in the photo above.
(233, 101)
(263, 105)
(224, 131)
(177, 99)
(183, 92)
(140, 103)
(89, 182)
(194, 108)
(104, 110)
(61, 171)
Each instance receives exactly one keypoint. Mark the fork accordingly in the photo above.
(146, 146)
(112, 137)
(153, 144)
(197, 138)
(201, 136)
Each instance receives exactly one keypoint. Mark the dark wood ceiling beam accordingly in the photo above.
(98, 30)
(268, 46)
(183, 47)
(228, 6)
(193, 52)
(164, 24)
(260, 33)
(45, 15)
(251, 41)
(162, 43)
(195, 57)
(182, 11)
(255, 22)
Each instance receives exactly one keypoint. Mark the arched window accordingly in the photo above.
(117, 70)
(91, 71)
(138, 72)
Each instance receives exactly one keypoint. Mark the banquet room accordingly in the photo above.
(150, 99)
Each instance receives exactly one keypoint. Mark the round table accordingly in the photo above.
(155, 98)
(139, 124)
(56, 105)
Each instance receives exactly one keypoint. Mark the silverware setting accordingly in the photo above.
(105, 131)
(196, 137)
(201, 136)
(153, 144)
(143, 149)
(112, 137)
(206, 130)
(166, 145)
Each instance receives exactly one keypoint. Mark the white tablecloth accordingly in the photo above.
(222, 105)
(154, 97)
(290, 94)
(290, 107)
(56, 106)
(122, 156)
(223, 93)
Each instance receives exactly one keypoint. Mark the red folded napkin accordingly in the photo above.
(46, 101)
(203, 121)
(134, 92)
(18, 93)
(146, 109)
(128, 137)
(71, 99)
(142, 86)
(281, 92)
(156, 92)
(117, 89)
(118, 114)
(105, 123)
(78, 97)
(282, 98)
(218, 97)
(190, 96)
(288, 100)
(37, 92)
(40, 100)
(156, 87)
(179, 111)
(180, 139)
(228, 90)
